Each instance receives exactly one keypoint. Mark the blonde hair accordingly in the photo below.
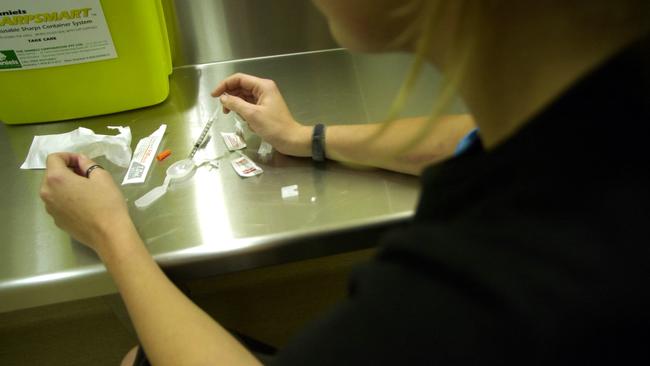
(423, 21)
(421, 31)
(633, 14)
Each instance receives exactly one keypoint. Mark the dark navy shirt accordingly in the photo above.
(536, 252)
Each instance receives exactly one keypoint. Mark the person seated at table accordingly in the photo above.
(527, 248)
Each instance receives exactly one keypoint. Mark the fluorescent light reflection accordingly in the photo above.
(212, 212)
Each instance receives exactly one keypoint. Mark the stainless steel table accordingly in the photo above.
(217, 222)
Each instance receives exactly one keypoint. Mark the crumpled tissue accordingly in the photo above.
(117, 148)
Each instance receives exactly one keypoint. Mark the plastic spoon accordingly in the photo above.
(176, 171)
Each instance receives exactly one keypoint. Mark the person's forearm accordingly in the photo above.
(352, 143)
(172, 329)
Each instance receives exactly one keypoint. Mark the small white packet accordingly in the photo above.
(239, 129)
(233, 141)
(264, 149)
(143, 156)
(245, 167)
(289, 192)
(264, 152)
(117, 149)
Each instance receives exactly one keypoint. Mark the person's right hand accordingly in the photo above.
(90, 209)
(261, 104)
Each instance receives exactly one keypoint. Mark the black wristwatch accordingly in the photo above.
(318, 143)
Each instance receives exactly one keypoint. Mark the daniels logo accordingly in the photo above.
(13, 12)
(9, 60)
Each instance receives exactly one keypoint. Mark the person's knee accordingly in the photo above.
(129, 358)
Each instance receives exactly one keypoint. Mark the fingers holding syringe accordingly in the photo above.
(247, 87)
(239, 105)
(242, 94)
(238, 83)
(261, 104)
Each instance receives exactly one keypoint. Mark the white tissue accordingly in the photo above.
(117, 149)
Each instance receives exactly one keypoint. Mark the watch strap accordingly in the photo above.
(318, 143)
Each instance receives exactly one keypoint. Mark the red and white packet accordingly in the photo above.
(245, 167)
(233, 141)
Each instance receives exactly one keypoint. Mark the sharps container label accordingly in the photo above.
(37, 34)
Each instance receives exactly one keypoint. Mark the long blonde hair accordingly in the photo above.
(420, 31)
(466, 36)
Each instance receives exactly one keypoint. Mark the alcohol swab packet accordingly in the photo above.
(245, 167)
(233, 141)
(143, 156)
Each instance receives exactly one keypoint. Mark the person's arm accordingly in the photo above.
(261, 104)
(350, 142)
(172, 329)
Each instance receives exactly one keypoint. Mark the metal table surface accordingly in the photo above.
(215, 222)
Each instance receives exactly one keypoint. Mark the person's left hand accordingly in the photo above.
(88, 208)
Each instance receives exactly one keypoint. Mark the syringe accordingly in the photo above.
(204, 133)
(179, 170)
